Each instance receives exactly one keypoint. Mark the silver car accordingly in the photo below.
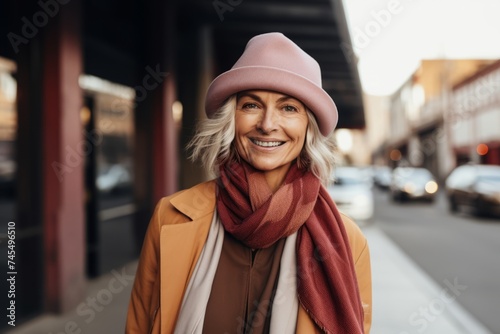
(475, 188)
(352, 193)
(413, 183)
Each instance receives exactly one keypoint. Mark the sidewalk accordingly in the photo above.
(406, 300)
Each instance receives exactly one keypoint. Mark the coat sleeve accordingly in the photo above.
(142, 308)
(363, 273)
(361, 256)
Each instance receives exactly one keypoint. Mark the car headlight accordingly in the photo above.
(431, 187)
(497, 197)
(493, 196)
(409, 187)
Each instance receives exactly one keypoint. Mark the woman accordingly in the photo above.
(261, 249)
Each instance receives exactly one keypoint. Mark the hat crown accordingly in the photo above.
(273, 62)
(277, 51)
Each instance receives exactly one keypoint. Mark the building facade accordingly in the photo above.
(473, 120)
(420, 114)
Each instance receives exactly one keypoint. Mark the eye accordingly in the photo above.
(249, 105)
(290, 108)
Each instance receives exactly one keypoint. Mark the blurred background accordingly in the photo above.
(99, 98)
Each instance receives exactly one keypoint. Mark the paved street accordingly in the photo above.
(450, 248)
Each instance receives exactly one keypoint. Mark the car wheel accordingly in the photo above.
(479, 209)
(453, 204)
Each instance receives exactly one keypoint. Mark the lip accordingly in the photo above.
(267, 140)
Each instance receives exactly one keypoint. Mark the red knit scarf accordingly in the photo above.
(327, 285)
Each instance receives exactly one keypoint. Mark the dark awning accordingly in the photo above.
(319, 27)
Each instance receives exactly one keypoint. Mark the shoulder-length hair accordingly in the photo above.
(213, 144)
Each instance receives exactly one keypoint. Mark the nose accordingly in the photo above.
(268, 121)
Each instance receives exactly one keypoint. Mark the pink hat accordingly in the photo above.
(273, 62)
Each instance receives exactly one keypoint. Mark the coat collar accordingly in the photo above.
(186, 240)
(197, 201)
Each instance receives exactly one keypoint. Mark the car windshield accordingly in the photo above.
(421, 175)
(490, 178)
(488, 174)
(345, 180)
(415, 175)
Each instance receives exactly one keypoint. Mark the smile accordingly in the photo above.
(267, 143)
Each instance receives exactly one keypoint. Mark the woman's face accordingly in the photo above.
(270, 129)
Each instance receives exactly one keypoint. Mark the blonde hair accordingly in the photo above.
(213, 144)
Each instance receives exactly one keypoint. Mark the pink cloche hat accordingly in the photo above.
(273, 62)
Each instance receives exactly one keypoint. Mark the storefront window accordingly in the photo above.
(108, 125)
(8, 125)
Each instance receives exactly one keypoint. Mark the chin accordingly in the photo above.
(268, 167)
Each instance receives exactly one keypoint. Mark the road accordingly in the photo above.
(453, 247)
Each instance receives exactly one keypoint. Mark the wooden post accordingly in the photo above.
(64, 151)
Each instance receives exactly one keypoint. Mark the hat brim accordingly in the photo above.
(278, 80)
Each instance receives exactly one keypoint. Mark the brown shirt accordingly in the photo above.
(243, 289)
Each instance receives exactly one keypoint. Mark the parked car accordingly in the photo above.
(410, 183)
(382, 176)
(352, 193)
(476, 188)
(113, 178)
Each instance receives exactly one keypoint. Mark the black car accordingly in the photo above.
(475, 188)
(409, 183)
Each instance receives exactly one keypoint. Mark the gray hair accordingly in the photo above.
(213, 144)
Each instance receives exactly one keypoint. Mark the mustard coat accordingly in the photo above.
(173, 242)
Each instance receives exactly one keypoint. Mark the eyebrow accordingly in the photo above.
(256, 97)
(247, 94)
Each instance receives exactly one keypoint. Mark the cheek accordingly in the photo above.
(242, 124)
(240, 131)
(300, 130)
(301, 139)
(239, 135)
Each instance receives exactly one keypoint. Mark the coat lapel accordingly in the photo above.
(181, 243)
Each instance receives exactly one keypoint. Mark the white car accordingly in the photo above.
(382, 177)
(352, 193)
(410, 183)
(113, 177)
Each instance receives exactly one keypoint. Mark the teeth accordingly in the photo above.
(267, 143)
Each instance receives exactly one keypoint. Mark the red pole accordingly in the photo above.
(64, 157)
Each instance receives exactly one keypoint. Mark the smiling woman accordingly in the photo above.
(215, 140)
(270, 132)
(262, 248)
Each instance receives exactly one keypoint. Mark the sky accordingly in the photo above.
(390, 37)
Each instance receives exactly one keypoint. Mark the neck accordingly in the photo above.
(276, 177)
